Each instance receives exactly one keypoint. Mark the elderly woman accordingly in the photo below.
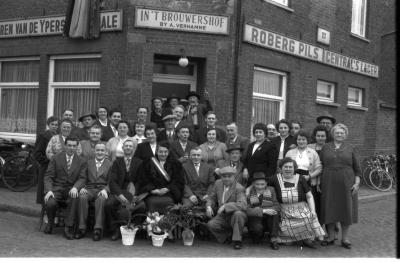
(308, 165)
(114, 145)
(57, 142)
(299, 220)
(162, 177)
(40, 153)
(213, 150)
(261, 154)
(156, 115)
(340, 184)
(88, 146)
(103, 122)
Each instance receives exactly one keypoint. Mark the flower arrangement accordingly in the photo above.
(159, 224)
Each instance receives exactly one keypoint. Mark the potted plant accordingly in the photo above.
(158, 226)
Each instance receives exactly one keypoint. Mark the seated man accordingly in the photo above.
(263, 210)
(180, 148)
(62, 173)
(94, 186)
(235, 154)
(228, 196)
(123, 175)
(199, 179)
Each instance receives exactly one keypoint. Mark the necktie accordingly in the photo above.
(197, 167)
(128, 163)
(98, 165)
(69, 163)
(223, 194)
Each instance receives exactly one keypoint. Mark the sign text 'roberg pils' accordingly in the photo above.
(181, 21)
(53, 25)
(270, 40)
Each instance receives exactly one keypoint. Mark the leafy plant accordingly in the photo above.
(188, 217)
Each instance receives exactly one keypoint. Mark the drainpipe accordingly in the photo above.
(237, 41)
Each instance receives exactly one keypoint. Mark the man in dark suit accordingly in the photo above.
(235, 155)
(199, 179)
(236, 140)
(168, 134)
(83, 133)
(63, 171)
(228, 202)
(211, 120)
(197, 111)
(94, 186)
(180, 148)
(123, 176)
(179, 112)
(148, 149)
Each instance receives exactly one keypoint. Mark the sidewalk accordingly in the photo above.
(24, 203)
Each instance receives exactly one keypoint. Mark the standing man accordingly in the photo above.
(328, 121)
(179, 112)
(226, 207)
(123, 176)
(236, 140)
(69, 114)
(62, 173)
(196, 111)
(104, 122)
(94, 187)
(168, 134)
(211, 121)
(87, 120)
(199, 179)
(180, 148)
(235, 156)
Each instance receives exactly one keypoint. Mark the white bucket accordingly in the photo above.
(128, 235)
(158, 240)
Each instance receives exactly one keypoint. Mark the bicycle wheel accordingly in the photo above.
(365, 176)
(393, 174)
(19, 173)
(381, 180)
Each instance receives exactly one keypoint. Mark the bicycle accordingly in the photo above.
(18, 167)
(382, 173)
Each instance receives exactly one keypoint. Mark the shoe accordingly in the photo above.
(309, 243)
(228, 241)
(346, 245)
(96, 234)
(48, 229)
(81, 234)
(327, 243)
(274, 245)
(68, 233)
(237, 244)
(116, 235)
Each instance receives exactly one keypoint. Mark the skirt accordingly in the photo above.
(298, 223)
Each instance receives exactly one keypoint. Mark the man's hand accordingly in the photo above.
(245, 174)
(221, 209)
(209, 212)
(47, 196)
(193, 199)
(103, 193)
(270, 212)
(204, 198)
(83, 191)
(163, 191)
(73, 192)
(123, 199)
(131, 188)
(155, 192)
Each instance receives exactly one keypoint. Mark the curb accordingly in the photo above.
(31, 212)
(382, 195)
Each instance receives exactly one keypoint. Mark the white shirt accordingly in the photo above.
(153, 148)
(256, 145)
(103, 123)
(226, 188)
(115, 131)
(302, 160)
(232, 141)
(183, 145)
(139, 139)
(99, 164)
(282, 148)
(177, 123)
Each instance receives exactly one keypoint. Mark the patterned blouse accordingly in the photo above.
(57, 145)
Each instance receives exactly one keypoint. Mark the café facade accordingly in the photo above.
(255, 61)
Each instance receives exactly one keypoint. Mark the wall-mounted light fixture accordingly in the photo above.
(183, 61)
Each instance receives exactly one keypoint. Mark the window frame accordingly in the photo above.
(25, 137)
(362, 32)
(70, 85)
(332, 92)
(278, 3)
(360, 97)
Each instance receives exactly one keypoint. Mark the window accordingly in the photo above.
(326, 91)
(359, 17)
(19, 82)
(355, 97)
(269, 94)
(170, 78)
(74, 82)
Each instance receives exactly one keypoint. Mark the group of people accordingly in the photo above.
(295, 187)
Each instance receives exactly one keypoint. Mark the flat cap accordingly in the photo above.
(171, 116)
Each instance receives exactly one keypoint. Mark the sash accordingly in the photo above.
(160, 169)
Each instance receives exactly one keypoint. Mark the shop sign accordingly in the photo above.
(323, 36)
(53, 25)
(181, 21)
(270, 40)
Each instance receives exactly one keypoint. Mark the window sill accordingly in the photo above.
(360, 37)
(327, 103)
(26, 138)
(279, 5)
(361, 108)
(387, 106)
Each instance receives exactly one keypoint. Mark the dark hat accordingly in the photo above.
(326, 115)
(228, 170)
(258, 175)
(172, 96)
(183, 102)
(85, 115)
(234, 147)
(192, 93)
(171, 116)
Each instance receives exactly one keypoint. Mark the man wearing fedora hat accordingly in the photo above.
(197, 111)
(226, 206)
(328, 121)
(87, 120)
(168, 134)
(263, 210)
(235, 154)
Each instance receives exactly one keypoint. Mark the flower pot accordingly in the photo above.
(128, 235)
(158, 240)
(187, 237)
